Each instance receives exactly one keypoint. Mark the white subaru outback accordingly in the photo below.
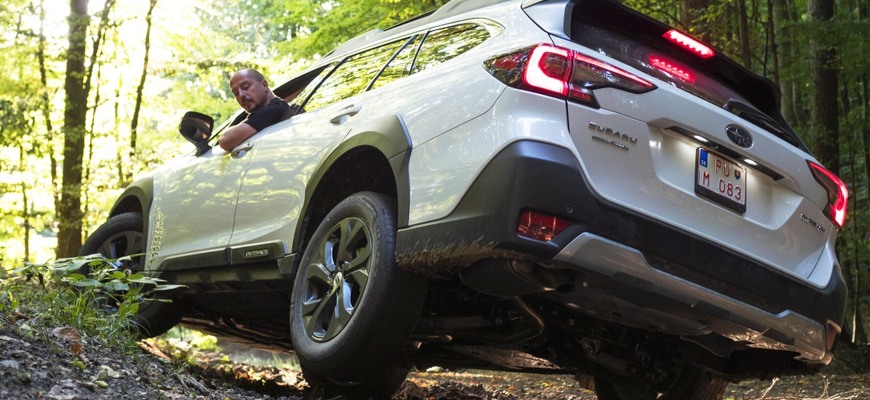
(554, 186)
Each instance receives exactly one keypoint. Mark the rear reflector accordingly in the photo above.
(563, 73)
(838, 194)
(689, 43)
(538, 226)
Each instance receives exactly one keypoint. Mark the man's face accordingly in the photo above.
(250, 93)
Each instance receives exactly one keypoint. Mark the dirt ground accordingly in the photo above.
(55, 364)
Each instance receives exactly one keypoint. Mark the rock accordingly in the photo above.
(10, 364)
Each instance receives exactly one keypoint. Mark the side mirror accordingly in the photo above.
(197, 128)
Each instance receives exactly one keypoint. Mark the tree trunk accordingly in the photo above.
(792, 100)
(825, 114)
(858, 334)
(865, 117)
(69, 236)
(743, 34)
(25, 206)
(89, 154)
(134, 124)
(771, 55)
(121, 174)
(691, 10)
(46, 109)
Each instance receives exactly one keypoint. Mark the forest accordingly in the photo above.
(92, 92)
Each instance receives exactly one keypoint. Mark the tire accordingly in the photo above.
(352, 309)
(123, 235)
(690, 384)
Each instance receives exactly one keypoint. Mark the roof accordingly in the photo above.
(452, 8)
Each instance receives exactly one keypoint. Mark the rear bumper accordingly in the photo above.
(641, 267)
(620, 279)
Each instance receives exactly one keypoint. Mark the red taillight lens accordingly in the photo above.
(563, 73)
(689, 43)
(592, 74)
(548, 70)
(539, 226)
(838, 194)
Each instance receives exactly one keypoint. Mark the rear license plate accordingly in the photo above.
(721, 180)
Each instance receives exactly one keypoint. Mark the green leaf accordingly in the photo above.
(167, 287)
(88, 282)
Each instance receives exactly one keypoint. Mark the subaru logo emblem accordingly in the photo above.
(739, 136)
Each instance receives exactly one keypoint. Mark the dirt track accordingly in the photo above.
(38, 363)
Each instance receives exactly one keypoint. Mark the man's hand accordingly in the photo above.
(235, 136)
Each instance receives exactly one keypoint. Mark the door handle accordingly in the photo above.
(240, 151)
(345, 113)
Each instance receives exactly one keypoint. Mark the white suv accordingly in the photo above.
(561, 186)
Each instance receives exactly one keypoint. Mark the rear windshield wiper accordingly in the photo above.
(754, 115)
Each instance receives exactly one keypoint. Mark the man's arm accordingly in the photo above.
(234, 136)
(277, 110)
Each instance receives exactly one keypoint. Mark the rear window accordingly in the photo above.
(661, 63)
(637, 40)
(447, 43)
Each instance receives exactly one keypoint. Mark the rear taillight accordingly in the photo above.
(540, 226)
(689, 43)
(838, 194)
(563, 73)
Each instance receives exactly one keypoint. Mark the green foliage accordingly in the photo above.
(93, 295)
(320, 26)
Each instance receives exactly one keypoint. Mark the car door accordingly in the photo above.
(282, 163)
(193, 210)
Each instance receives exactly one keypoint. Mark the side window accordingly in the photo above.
(299, 98)
(353, 76)
(446, 43)
(399, 66)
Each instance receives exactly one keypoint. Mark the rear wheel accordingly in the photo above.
(352, 308)
(690, 384)
(123, 235)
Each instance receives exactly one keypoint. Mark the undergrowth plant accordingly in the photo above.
(96, 295)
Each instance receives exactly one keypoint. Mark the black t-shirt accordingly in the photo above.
(277, 110)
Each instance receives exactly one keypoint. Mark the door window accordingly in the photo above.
(400, 66)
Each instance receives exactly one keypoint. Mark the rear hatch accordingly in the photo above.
(706, 150)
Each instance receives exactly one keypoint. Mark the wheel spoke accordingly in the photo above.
(318, 275)
(342, 312)
(318, 315)
(112, 248)
(360, 278)
(122, 244)
(360, 260)
(319, 280)
(134, 243)
(346, 229)
(327, 256)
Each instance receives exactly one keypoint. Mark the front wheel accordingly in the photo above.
(352, 308)
(123, 235)
(690, 384)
